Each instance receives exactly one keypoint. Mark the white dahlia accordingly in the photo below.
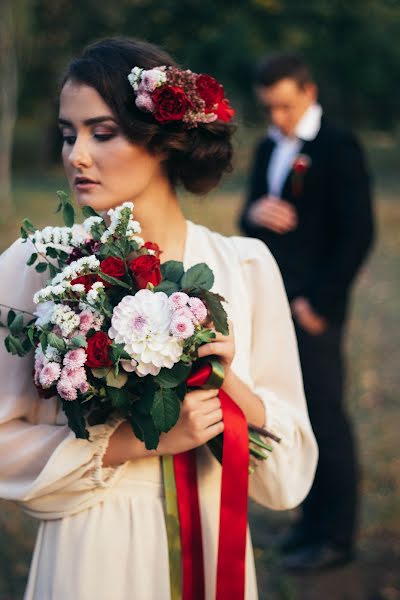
(142, 323)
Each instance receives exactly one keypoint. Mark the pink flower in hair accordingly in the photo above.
(74, 359)
(49, 374)
(66, 390)
(145, 102)
(181, 327)
(198, 309)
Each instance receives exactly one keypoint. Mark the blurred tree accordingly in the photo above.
(8, 104)
(352, 47)
(11, 30)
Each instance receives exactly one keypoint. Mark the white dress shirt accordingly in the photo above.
(288, 147)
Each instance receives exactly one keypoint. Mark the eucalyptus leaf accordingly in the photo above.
(11, 316)
(76, 421)
(117, 381)
(41, 267)
(32, 259)
(99, 373)
(119, 398)
(114, 280)
(168, 287)
(166, 408)
(68, 214)
(145, 426)
(52, 252)
(216, 310)
(88, 211)
(17, 324)
(79, 341)
(171, 378)
(56, 342)
(172, 270)
(28, 226)
(199, 276)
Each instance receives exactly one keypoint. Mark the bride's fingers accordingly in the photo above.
(213, 417)
(218, 348)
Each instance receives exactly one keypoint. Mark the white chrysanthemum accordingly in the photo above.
(142, 323)
(44, 313)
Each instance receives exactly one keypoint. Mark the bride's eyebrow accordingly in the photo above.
(87, 122)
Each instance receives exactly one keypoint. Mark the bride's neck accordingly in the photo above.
(162, 221)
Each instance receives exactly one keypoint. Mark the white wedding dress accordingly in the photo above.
(102, 534)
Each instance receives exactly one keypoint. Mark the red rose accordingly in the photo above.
(97, 351)
(170, 103)
(224, 111)
(209, 90)
(113, 266)
(146, 269)
(153, 246)
(86, 280)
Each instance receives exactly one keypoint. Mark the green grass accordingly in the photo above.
(373, 383)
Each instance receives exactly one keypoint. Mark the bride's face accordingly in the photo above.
(103, 167)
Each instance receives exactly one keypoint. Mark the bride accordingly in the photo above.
(100, 503)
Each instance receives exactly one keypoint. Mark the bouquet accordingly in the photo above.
(114, 329)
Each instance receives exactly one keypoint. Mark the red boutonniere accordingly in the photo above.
(300, 166)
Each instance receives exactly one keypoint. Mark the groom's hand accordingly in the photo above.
(307, 318)
(274, 213)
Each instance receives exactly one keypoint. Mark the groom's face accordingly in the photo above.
(286, 102)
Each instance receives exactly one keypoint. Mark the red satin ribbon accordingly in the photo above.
(233, 512)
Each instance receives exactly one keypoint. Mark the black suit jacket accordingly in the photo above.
(320, 258)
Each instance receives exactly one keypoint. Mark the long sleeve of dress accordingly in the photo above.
(284, 480)
(43, 467)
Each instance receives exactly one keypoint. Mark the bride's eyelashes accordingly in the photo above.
(100, 137)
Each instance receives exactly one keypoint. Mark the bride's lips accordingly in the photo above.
(83, 183)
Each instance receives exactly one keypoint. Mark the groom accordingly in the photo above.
(309, 200)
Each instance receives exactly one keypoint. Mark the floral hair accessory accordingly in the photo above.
(172, 94)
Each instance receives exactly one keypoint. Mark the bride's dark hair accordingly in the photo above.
(196, 157)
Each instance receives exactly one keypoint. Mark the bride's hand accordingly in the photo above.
(223, 347)
(200, 420)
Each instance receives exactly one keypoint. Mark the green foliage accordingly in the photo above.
(76, 421)
(172, 270)
(166, 408)
(198, 277)
(66, 208)
(170, 378)
(216, 310)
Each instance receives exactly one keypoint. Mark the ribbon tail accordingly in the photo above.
(173, 528)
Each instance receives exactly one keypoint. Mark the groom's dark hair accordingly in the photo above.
(275, 67)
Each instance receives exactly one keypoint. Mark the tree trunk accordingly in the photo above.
(8, 104)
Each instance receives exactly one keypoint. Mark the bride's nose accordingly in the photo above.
(80, 155)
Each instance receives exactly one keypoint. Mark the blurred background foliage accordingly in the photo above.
(352, 46)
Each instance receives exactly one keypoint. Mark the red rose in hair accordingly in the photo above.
(97, 351)
(146, 269)
(209, 90)
(86, 280)
(153, 246)
(170, 103)
(224, 111)
(113, 266)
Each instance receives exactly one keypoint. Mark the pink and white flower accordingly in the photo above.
(86, 320)
(182, 327)
(178, 300)
(66, 390)
(198, 308)
(49, 374)
(142, 323)
(74, 359)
